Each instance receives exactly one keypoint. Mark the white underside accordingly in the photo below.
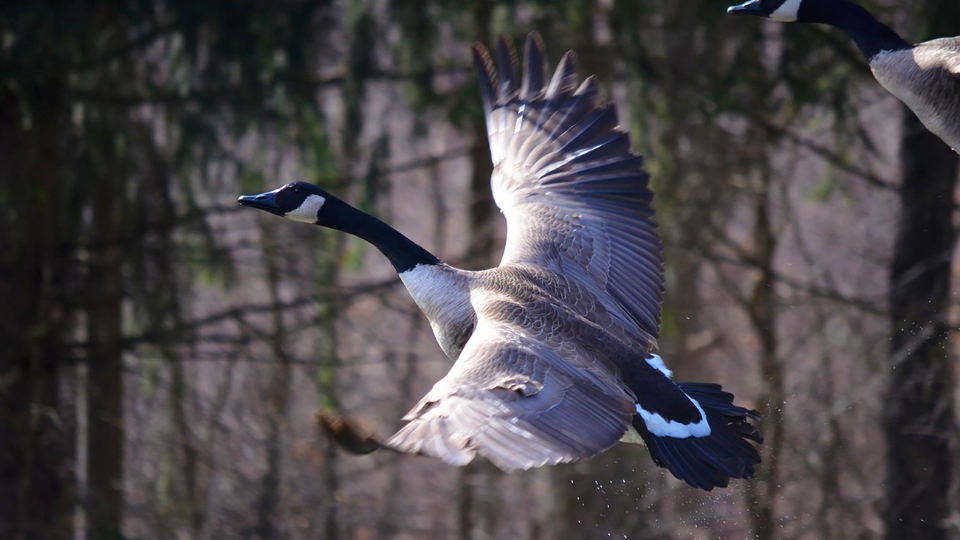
(433, 288)
(444, 297)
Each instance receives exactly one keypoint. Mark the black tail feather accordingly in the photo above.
(709, 462)
(712, 396)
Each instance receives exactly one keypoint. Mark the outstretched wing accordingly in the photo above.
(575, 198)
(518, 403)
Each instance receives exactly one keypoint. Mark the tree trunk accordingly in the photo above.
(919, 415)
(478, 255)
(277, 401)
(179, 389)
(33, 501)
(105, 363)
(763, 491)
(481, 208)
(326, 273)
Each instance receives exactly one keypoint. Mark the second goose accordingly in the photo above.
(925, 76)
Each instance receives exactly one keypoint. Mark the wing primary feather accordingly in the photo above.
(569, 106)
(565, 77)
(533, 67)
(486, 77)
(588, 88)
(507, 67)
(600, 122)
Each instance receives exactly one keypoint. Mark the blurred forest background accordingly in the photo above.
(164, 351)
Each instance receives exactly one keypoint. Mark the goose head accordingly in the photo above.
(307, 203)
(871, 36)
(297, 201)
(777, 10)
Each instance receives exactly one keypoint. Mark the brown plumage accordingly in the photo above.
(555, 350)
(554, 370)
(926, 77)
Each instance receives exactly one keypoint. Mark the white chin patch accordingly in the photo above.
(787, 12)
(307, 212)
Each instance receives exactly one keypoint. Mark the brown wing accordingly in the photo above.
(575, 197)
(517, 403)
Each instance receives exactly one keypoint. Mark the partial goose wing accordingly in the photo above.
(518, 403)
(575, 198)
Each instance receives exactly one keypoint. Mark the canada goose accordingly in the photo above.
(925, 76)
(556, 350)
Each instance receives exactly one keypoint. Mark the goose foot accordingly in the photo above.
(348, 434)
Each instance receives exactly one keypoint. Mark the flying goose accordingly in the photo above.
(555, 349)
(926, 76)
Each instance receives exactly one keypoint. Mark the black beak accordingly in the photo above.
(264, 201)
(747, 8)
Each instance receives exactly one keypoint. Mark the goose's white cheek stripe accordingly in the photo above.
(307, 211)
(787, 12)
(661, 427)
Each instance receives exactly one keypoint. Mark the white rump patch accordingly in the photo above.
(787, 12)
(657, 363)
(307, 211)
(661, 427)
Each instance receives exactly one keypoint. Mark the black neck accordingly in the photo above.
(870, 35)
(403, 253)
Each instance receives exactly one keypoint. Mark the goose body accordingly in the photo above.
(925, 76)
(555, 350)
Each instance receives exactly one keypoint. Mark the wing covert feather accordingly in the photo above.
(517, 403)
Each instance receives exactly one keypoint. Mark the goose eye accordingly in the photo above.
(297, 190)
